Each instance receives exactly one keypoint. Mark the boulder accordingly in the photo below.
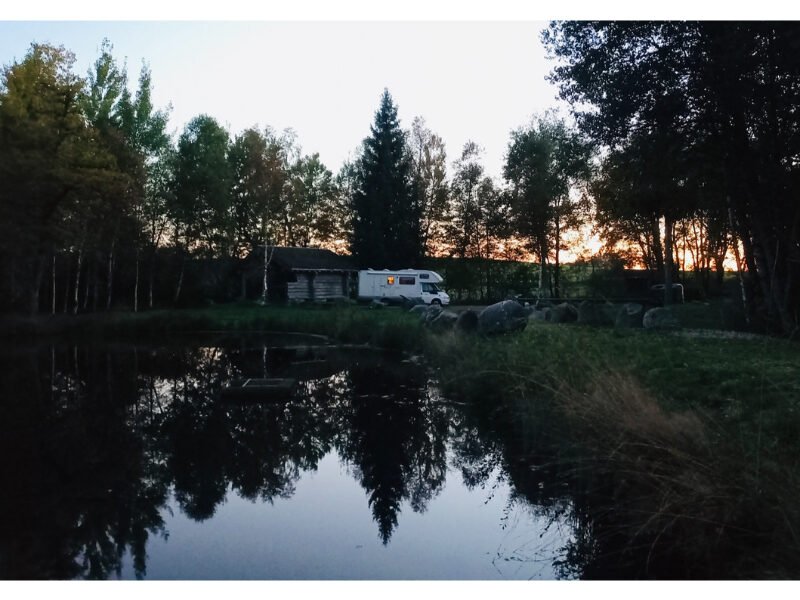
(431, 312)
(595, 313)
(538, 315)
(503, 317)
(409, 303)
(467, 321)
(419, 309)
(563, 313)
(444, 320)
(660, 318)
(629, 315)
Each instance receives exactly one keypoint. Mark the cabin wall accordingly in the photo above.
(329, 286)
(300, 288)
(317, 287)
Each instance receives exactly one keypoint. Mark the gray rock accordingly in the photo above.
(409, 303)
(443, 321)
(503, 317)
(660, 318)
(595, 313)
(629, 315)
(419, 309)
(431, 313)
(467, 321)
(375, 303)
(538, 315)
(563, 313)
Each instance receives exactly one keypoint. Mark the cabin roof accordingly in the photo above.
(308, 259)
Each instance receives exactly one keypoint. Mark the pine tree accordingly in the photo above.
(386, 214)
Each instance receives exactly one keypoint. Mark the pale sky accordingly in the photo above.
(473, 69)
(469, 80)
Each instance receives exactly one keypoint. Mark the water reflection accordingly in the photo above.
(97, 441)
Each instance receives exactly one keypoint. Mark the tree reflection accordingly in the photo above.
(395, 438)
(94, 438)
(79, 489)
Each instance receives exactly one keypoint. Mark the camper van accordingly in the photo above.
(393, 286)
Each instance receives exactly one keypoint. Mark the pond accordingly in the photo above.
(146, 460)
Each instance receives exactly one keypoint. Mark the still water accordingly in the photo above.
(142, 461)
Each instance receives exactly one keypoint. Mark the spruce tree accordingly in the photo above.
(386, 215)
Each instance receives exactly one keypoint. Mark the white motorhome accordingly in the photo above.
(391, 286)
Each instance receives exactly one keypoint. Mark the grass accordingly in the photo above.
(685, 446)
(386, 328)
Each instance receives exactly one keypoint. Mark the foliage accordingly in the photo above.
(202, 186)
(430, 183)
(478, 212)
(712, 103)
(386, 213)
(257, 163)
(311, 192)
(54, 172)
(545, 163)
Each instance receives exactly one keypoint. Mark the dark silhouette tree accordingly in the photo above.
(430, 184)
(545, 164)
(386, 213)
(145, 129)
(203, 186)
(728, 88)
(54, 171)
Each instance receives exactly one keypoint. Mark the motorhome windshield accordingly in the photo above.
(430, 287)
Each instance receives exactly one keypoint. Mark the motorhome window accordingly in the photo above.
(407, 281)
(423, 275)
(430, 287)
(390, 280)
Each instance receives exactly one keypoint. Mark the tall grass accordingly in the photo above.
(386, 328)
(681, 451)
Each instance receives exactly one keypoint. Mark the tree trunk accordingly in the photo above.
(77, 280)
(136, 285)
(93, 269)
(152, 278)
(557, 272)
(53, 287)
(66, 285)
(668, 261)
(180, 281)
(541, 273)
(12, 278)
(39, 268)
(110, 287)
(267, 258)
(95, 285)
(658, 251)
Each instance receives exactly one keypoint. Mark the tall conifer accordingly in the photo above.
(386, 215)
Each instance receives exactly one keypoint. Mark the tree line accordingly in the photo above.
(95, 190)
(683, 154)
(698, 124)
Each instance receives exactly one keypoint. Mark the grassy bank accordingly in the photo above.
(682, 449)
(386, 328)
